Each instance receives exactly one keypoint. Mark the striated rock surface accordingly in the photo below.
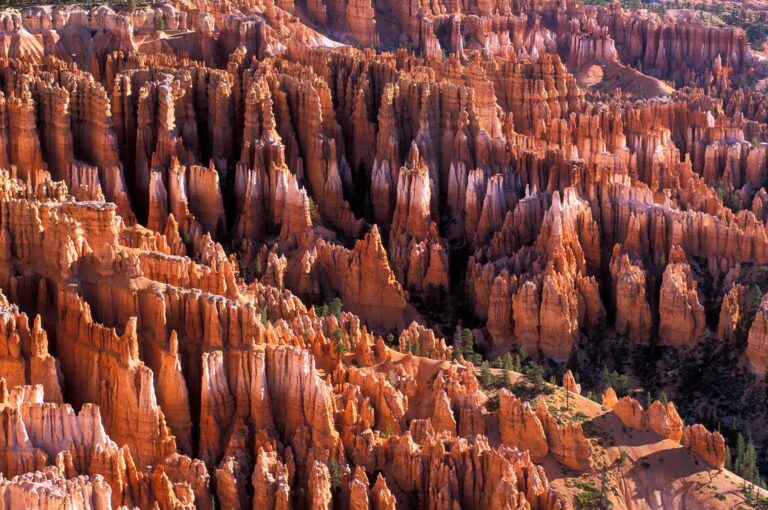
(567, 443)
(757, 342)
(661, 418)
(257, 254)
(681, 316)
(734, 305)
(569, 383)
(633, 313)
(709, 445)
(519, 426)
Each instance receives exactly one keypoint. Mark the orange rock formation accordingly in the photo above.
(185, 188)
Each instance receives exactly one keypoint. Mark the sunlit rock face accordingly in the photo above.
(252, 253)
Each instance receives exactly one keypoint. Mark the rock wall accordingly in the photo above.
(183, 187)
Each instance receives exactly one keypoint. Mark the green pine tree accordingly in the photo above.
(751, 470)
(314, 212)
(506, 376)
(458, 340)
(741, 454)
(468, 341)
(485, 374)
(335, 471)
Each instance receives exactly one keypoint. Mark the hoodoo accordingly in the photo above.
(337, 254)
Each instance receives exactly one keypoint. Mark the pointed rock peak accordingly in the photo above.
(569, 383)
(413, 155)
(556, 204)
(174, 343)
(130, 336)
(609, 398)
(677, 255)
(3, 391)
(541, 406)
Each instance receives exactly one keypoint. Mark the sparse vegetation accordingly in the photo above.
(658, 8)
(591, 498)
(339, 345)
(533, 373)
(755, 28)
(334, 308)
(506, 377)
(619, 382)
(314, 212)
(335, 471)
(345, 128)
(464, 344)
(486, 377)
(745, 464)
(508, 361)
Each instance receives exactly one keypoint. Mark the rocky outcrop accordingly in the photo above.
(567, 443)
(419, 254)
(50, 489)
(633, 313)
(361, 276)
(320, 487)
(520, 427)
(271, 481)
(662, 418)
(569, 383)
(182, 188)
(442, 482)
(381, 496)
(84, 456)
(609, 398)
(733, 306)
(423, 342)
(90, 352)
(673, 46)
(358, 490)
(681, 316)
(710, 446)
(757, 342)
(205, 200)
(629, 412)
(25, 150)
(25, 358)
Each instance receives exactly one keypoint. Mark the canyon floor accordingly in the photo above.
(374, 255)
